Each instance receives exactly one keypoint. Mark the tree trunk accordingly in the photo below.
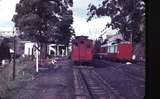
(43, 51)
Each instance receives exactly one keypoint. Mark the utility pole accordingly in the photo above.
(14, 56)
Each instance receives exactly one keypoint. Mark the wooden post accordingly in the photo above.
(14, 57)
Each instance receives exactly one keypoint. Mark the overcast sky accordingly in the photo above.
(91, 29)
(7, 9)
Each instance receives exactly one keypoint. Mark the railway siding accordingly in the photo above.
(94, 86)
(110, 80)
(81, 91)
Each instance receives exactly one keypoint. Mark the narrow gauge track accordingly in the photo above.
(125, 71)
(94, 86)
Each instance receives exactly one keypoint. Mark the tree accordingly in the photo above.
(41, 21)
(5, 50)
(126, 15)
(97, 45)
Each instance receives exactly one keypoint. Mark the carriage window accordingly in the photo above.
(76, 44)
(82, 42)
(111, 49)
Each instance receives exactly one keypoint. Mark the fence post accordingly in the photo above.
(14, 57)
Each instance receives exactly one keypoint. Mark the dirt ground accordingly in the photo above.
(128, 80)
(6, 77)
(47, 84)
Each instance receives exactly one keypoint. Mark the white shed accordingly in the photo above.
(28, 48)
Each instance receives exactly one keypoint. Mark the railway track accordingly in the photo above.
(90, 85)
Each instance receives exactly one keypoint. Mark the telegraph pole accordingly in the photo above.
(14, 56)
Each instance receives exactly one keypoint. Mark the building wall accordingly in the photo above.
(28, 48)
(7, 34)
(51, 48)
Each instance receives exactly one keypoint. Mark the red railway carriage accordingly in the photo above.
(82, 49)
(117, 52)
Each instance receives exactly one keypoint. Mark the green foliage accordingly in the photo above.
(127, 16)
(97, 46)
(44, 20)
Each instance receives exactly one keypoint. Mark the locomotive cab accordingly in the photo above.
(82, 49)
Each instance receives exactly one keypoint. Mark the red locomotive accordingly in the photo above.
(117, 52)
(82, 49)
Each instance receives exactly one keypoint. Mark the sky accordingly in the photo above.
(92, 28)
(7, 9)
